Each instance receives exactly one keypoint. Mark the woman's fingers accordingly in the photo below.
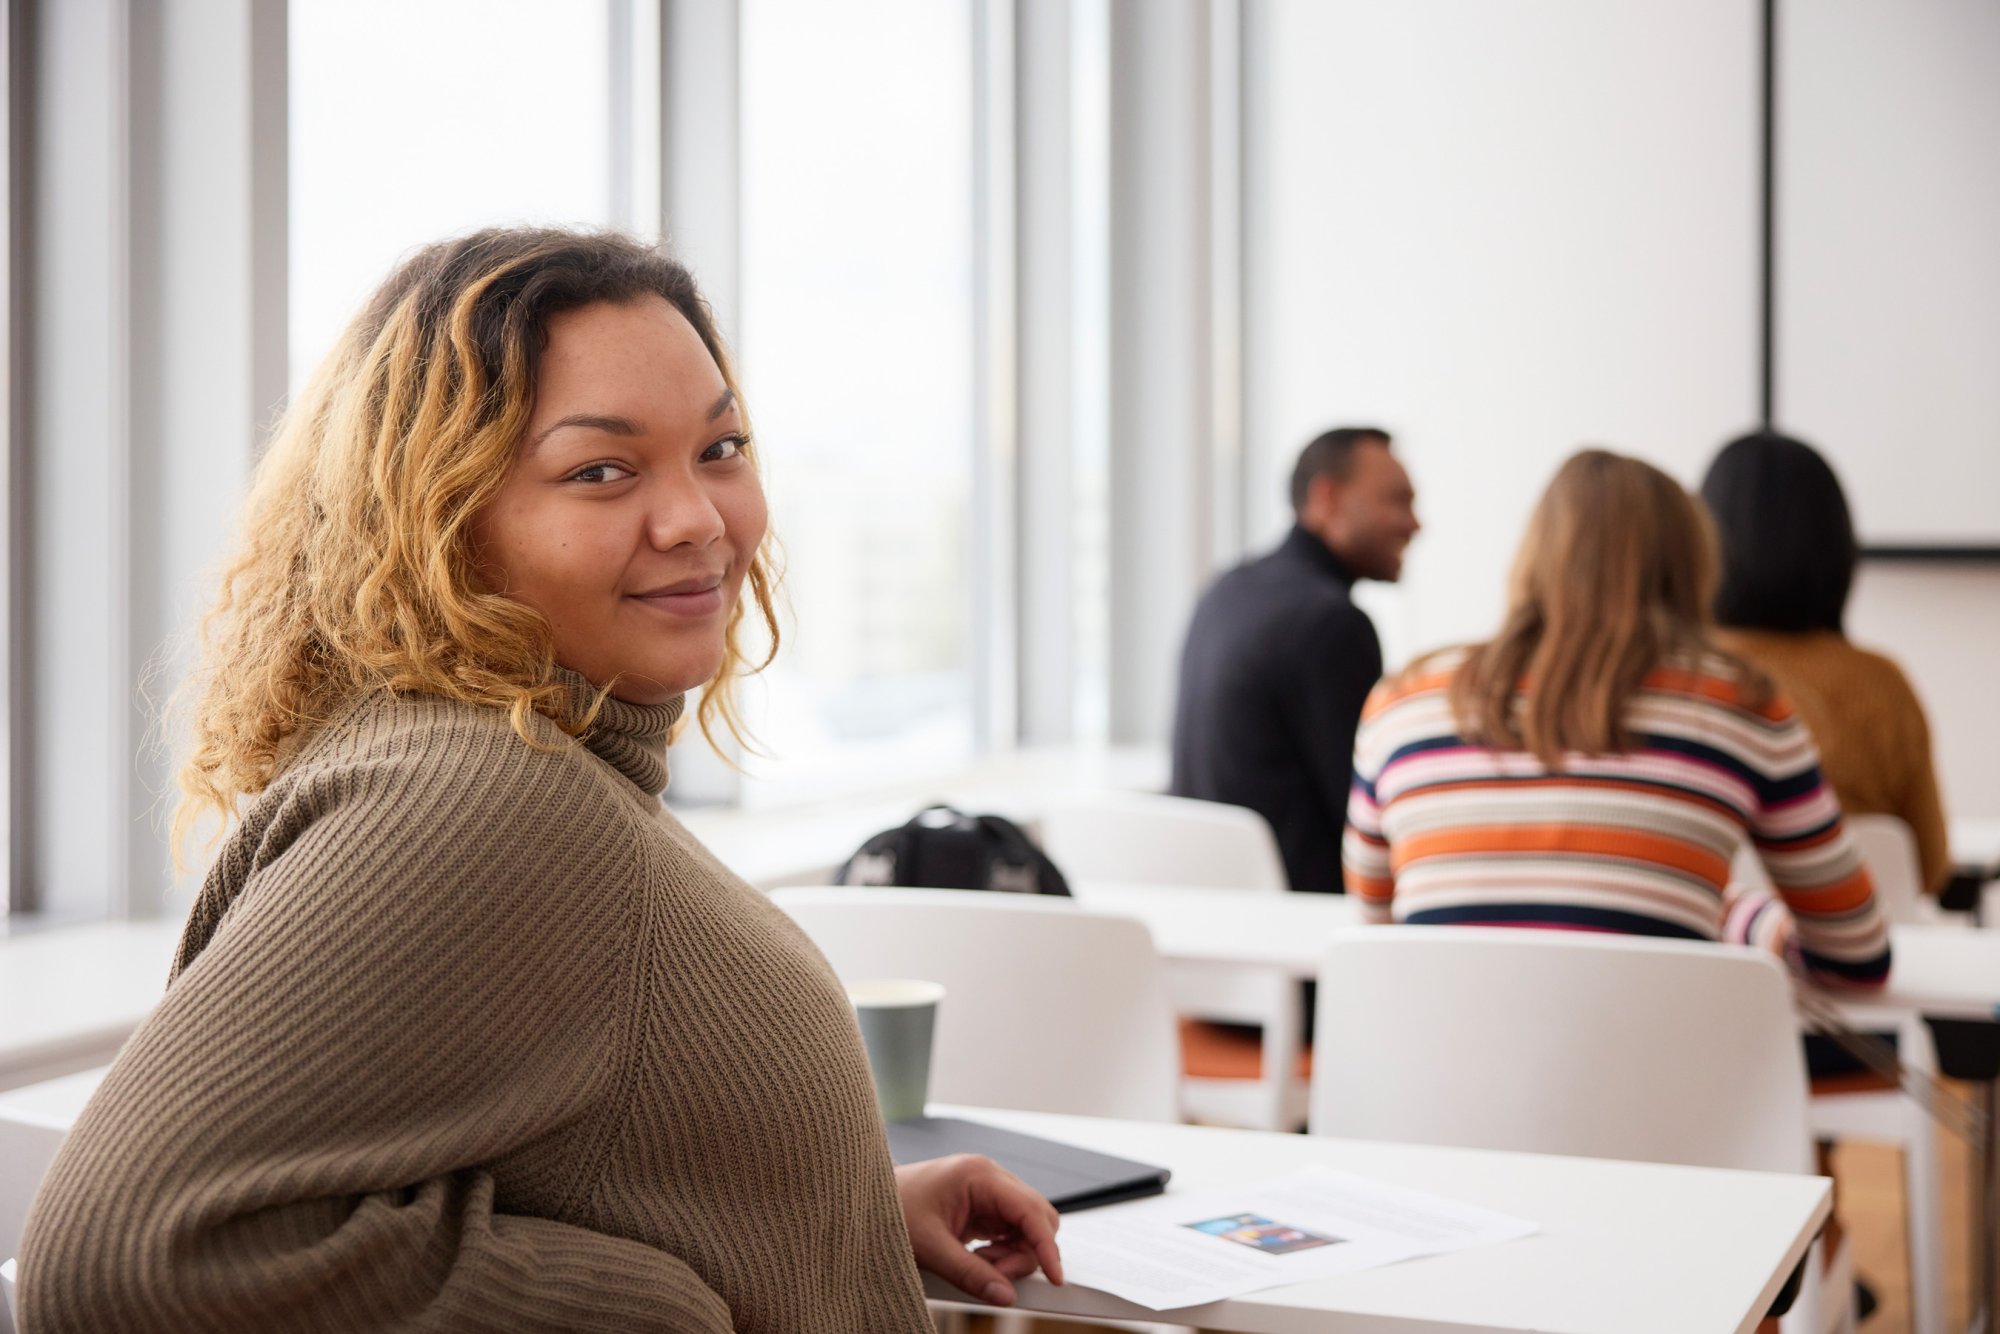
(1032, 1219)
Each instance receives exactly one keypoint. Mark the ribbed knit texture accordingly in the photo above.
(1441, 831)
(466, 1035)
(1874, 743)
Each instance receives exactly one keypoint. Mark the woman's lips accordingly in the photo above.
(693, 603)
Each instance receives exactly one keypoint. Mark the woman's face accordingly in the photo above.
(632, 510)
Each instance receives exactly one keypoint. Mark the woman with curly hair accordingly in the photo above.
(466, 1031)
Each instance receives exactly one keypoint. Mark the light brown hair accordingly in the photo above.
(1613, 579)
(354, 570)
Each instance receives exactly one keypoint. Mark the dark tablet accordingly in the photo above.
(1068, 1177)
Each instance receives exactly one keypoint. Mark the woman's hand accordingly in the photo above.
(948, 1202)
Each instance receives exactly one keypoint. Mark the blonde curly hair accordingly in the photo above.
(354, 570)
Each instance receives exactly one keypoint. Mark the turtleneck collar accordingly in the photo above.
(631, 738)
(1307, 546)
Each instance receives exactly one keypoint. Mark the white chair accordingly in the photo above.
(33, 1121)
(1146, 838)
(1544, 1042)
(1046, 1008)
(1889, 851)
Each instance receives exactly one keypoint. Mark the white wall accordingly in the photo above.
(1507, 230)
(1942, 624)
(1502, 231)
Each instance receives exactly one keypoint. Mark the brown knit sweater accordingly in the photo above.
(1874, 745)
(465, 1035)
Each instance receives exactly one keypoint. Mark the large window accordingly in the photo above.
(857, 347)
(411, 122)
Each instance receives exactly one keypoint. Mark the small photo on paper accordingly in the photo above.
(1262, 1234)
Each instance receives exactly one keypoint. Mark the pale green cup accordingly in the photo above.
(898, 1019)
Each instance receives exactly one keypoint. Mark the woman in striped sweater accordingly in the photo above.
(1594, 766)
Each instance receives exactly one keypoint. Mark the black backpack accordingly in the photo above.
(943, 848)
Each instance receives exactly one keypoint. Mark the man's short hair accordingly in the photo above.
(1331, 455)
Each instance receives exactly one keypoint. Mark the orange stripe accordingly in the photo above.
(1839, 897)
(1574, 839)
(1395, 690)
(1775, 709)
(1371, 888)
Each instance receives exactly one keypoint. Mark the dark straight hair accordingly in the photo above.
(1788, 547)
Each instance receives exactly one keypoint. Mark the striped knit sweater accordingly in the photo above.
(1441, 831)
(469, 1035)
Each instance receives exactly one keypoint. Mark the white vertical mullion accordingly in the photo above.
(620, 120)
(1265, 509)
(995, 456)
(1228, 517)
(701, 145)
(1045, 542)
(12, 439)
(700, 91)
(122, 705)
(1161, 350)
(270, 214)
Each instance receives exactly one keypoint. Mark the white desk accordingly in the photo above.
(71, 995)
(1235, 928)
(1277, 936)
(1630, 1248)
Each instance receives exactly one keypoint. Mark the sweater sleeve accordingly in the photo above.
(425, 977)
(1364, 853)
(1829, 924)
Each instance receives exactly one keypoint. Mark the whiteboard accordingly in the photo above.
(1888, 258)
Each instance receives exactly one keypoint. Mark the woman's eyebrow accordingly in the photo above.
(591, 420)
(722, 404)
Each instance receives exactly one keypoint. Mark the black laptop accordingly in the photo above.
(1068, 1177)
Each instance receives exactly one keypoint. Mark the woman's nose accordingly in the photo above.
(682, 512)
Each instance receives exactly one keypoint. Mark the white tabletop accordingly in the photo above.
(1237, 927)
(1627, 1247)
(70, 995)
(1975, 840)
(1624, 1248)
(1947, 971)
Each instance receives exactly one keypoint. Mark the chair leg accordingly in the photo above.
(1923, 1205)
(1283, 1037)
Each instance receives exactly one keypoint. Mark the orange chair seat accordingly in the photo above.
(1227, 1051)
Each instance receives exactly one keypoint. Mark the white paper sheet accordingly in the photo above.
(1186, 1249)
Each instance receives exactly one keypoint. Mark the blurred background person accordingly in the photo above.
(1595, 765)
(1788, 557)
(1278, 659)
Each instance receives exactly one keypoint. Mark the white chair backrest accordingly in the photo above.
(1889, 851)
(1145, 838)
(1546, 1042)
(1046, 1008)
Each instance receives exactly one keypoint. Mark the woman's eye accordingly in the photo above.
(601, 473)
(725, 449)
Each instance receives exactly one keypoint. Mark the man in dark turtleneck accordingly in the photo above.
(1279, 660)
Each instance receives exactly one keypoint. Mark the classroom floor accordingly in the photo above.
(1871, 1208)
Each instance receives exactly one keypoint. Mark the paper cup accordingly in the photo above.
(898, 1020)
